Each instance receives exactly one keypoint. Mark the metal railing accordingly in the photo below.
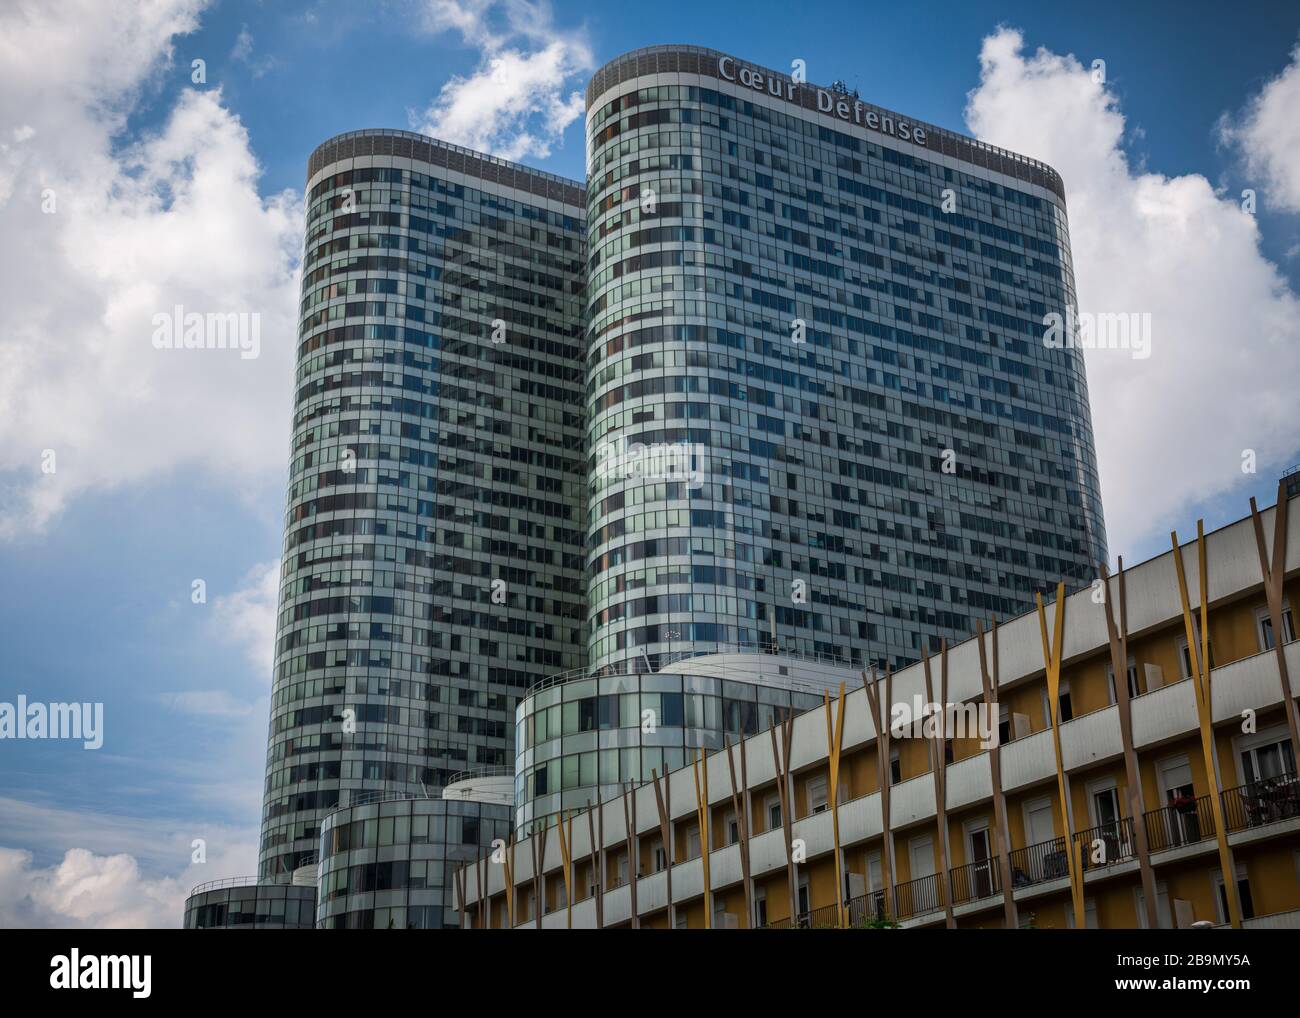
(975, 880)
(1182, 822)
(1106, 844)
(215, 885)
(491, 771)
(917, 896)
(1037, 863)
(654, 663)
(1262, 802)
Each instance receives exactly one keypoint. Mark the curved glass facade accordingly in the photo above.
(875, 447)
(432, 563)
(589, 735)
(391, 865)
(243, 903)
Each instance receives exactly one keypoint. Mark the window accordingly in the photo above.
(1066, 706)
(1243, 893)
(658, 859)
(1134, 686)
(817, 796)
(1264, 626)
(1185, 657)
(895, 767)
(760, 908)
(1266, 755)
(773, 806)
(1004, 724)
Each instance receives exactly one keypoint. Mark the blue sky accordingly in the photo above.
(182, 477)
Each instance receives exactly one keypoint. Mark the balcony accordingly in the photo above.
(975, 880)
(1038, 863)
(1260, 803)
(916, 897)
(1106, 844)
(1183, 822)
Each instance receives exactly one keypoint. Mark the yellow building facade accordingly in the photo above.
(1037, 792)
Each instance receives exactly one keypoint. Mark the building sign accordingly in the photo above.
(846, 107)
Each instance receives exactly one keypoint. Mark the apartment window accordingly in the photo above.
(1264, 626)
(1185, 657)
(1004, 724)
(947, 751)
(1243, 893)
(773, 806)
(658, 858)
(817, 796)
(760, 909)
(693, 842)
(1134, 686)
(1266, 755)
(1066, 706)
(895, 767)
(733, 830)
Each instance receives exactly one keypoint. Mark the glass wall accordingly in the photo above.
(391, 865)
(879, 447)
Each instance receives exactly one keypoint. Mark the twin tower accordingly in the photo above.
(772, 383)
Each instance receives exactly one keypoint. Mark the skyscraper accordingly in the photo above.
(840, 310)
(433, 536)
(774, 381)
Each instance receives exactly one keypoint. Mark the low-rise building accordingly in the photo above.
(1098, 803)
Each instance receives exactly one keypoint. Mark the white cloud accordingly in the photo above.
(211, 703)
(1269, 136)
(137, 872)
(139, 226)
(243, 53)
(247, 616)
(526, 89)
(1225, 359)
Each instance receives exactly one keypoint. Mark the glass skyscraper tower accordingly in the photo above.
(775, 379)
(432, 564)
(840, 312)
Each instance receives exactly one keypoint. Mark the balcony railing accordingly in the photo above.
(917, 896)
(1183, 822)
(1262, 802)
(1037, 863)
(975, 880)
(1106, 844)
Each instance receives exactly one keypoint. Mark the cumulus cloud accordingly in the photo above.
(246, 616)
(137, 874)
(1224, 367)
(1268, 136)
(109, 231)
(526, 89)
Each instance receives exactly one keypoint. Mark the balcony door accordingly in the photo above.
(1181, 827)
(980, 852)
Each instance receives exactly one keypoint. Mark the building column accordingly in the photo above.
(1052, 663)
(834, 743)
(1002, 834)
(1198, 649)
(880, 723)
(781, 765)
(1274, 576)
(938, 767)
(1118, 639)
(740, 803)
